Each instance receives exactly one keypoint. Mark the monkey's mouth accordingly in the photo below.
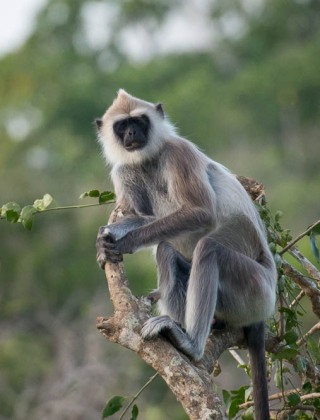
(135, 145)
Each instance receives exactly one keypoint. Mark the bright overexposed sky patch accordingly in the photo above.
(189, 28)
(16, 22)
(186, 31)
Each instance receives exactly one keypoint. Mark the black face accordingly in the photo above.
(133, 132)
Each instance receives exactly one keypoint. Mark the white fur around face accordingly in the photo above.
(127, 106)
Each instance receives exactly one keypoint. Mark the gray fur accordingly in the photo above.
(213, 258)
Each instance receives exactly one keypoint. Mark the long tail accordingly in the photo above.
(255, 339)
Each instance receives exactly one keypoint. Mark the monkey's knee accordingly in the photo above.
(206, 247)
(165, 251)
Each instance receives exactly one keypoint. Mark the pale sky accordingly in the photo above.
(16, 22)
(187, 31)
(190, 29)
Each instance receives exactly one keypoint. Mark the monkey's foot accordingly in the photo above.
(154, 326)
(165, 326)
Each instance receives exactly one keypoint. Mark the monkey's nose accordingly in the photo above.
(98, 122)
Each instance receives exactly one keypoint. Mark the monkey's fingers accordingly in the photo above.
(108, 245)
(114, 257)
(105, 234)
(103, 257)
(102, 244)
(106, 251)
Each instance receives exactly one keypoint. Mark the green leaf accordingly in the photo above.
(135, 412)
(293, 399)
(248, 393)
(287, 311)
(26, 216)
(234, 408)
(112, 406)
(42, 203)
(106, 196)
(91, 193)
(226, 396)
(277, 376)
(286, 237)
(316, 403)
(273, 247)
(313, 347)
(277, 260)
(316, 230)
(286, 353)
(47, 200)
(307, 387)
(278, 215)
(290, 337)
(248, 414)
(94, 193)
(103, 196)
(11, 211)
(12, 216)
(301, 365)
(240, 393)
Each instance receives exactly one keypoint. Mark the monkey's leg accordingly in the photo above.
(200, 306)
(201, 296)
(222, 281)
(173, 274)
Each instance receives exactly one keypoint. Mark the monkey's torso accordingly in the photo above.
(147, 191)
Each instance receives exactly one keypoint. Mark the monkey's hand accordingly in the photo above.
(107, 247)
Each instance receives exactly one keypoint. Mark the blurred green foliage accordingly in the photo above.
(251, 101)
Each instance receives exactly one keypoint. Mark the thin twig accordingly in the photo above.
(237, 357)
(138, 393)
(297, 299)
(294, 241)
(282, 395)
(310, 268)
(80, 206)
(312, 330)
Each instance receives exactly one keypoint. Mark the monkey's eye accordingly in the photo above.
(119, 127)
(144, 123)
(144, 119)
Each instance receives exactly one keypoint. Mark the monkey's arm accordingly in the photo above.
(195, 201)
(133, 233)
(182, 221)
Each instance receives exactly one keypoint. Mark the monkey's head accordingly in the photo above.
(132, 130)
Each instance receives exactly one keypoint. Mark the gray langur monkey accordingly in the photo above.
(212, 255)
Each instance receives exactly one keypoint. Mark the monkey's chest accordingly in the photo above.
(149, 196)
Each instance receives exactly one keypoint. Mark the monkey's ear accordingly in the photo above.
(159, 109)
